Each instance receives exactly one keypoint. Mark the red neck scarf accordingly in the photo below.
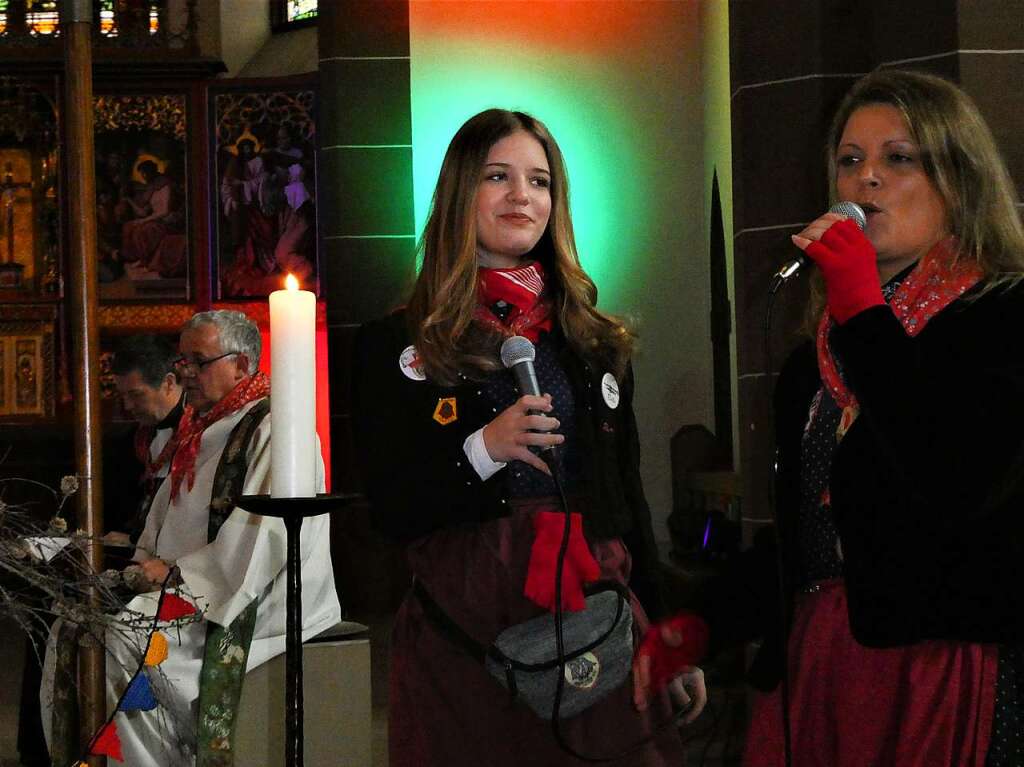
(522, 290)
(935, 283)
(191, 428)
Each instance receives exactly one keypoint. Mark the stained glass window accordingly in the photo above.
(289, 14)
(109, 18)
(3, 16)
(41, 17)
(301, 9)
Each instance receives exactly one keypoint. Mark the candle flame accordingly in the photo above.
(291, 283)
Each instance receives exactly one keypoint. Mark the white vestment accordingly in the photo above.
(245, 561)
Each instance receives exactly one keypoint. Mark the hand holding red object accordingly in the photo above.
(579, 566)
(668, 649)
(848, 263)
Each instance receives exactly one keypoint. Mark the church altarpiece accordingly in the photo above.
(164, 242)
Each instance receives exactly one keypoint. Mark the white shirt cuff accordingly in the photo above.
(476, 452)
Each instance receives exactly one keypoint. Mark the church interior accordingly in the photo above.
(692, 131)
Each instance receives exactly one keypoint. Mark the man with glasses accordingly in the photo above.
(228, 563)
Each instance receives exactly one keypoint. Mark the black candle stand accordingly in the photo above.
(293, 511)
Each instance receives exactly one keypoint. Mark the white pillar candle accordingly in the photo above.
(292, 392)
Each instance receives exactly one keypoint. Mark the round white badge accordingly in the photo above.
(610, 390)
(409, 362)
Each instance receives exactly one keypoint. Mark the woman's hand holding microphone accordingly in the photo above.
(848, 263)
(510, 435)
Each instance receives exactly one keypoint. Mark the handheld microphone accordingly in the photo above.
(518, 354)
(849, 209)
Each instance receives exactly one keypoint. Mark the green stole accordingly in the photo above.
(227, 647)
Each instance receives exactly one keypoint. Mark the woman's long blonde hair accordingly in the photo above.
(444, 297)
(960, 157)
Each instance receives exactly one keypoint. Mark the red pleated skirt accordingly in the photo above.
(926, 705)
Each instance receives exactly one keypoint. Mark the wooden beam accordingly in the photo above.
(80, 174)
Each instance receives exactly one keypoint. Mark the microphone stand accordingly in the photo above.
(293, 511)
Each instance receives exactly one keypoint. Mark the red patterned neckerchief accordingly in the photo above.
(522, 289)
(144, 437)
(190, 430)
(934, 284)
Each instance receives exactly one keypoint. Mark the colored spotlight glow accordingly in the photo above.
(560, 63)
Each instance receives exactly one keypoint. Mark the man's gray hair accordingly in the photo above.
(237, 333)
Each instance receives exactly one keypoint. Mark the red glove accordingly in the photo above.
(848, 263)
(579, 566)
(666, 661)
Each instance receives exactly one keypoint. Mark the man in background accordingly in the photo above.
(151, 394)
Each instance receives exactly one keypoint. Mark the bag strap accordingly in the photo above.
(451, 630)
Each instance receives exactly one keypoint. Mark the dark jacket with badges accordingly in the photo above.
(419, 479)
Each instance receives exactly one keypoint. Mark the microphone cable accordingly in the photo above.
(550, 459)
(777, 282)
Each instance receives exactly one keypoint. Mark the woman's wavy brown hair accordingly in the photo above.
(444, 297)
(961, 158)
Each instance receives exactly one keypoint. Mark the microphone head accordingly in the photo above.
(515, 350)
(852, 211)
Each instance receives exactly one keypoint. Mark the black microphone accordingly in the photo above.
(849, 209)
(518, 354)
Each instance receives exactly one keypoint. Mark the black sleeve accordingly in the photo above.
(645, 577)
(744, 602)
(414, 468)
(943, 419)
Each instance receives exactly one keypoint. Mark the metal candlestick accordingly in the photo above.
(293, 511)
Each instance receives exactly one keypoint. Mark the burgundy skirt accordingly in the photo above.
(445, 709)
(926, 705)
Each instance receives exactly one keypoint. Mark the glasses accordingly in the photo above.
(198, 365)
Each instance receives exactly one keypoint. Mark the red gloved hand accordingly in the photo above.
(848, 263)
(578, 568)
(668, 648)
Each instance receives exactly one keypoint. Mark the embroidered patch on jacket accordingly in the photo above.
(582, 672)
(446, 412)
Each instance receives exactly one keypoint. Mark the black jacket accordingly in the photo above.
(927, 486)
(419, 480)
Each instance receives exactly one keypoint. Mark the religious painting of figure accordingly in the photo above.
(264, 182)
(27, 384)
(26, 376)
(141, 197)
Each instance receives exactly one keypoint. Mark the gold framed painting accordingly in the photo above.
(26, 367)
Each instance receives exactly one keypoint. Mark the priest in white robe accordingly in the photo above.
(246, 560)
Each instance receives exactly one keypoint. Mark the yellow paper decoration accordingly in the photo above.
(157, 652)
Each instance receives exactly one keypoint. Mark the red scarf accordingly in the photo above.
(191, 428)
(522, 288)
(935, 283)
(144, 436)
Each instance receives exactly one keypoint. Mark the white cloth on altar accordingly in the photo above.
(247, 560)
